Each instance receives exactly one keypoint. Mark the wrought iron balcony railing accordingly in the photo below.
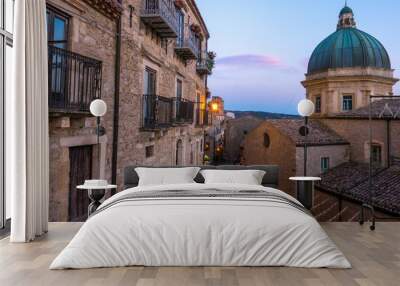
(74, 81)
(184, 111)
(156, 112)
(161, 16)
(187, 46)
(160, 112)
(203, 65)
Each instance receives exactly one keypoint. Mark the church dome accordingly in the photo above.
(348, 47)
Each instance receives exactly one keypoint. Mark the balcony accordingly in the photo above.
(184, 111)
(161, 16)
(202, 117)
(187, 47)
(74, 81)
(203, 65)
(156, 112)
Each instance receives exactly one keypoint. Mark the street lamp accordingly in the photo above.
(305, 108)
(214, 109)
(98, 108)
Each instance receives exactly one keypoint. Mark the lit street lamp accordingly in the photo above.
(214, 110)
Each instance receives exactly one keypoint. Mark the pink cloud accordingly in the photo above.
(251, 60)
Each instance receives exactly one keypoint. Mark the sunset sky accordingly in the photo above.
(263, 46)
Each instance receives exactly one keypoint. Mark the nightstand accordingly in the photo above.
(96, 194)
(305, 190)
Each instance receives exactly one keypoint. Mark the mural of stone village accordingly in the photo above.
(164, 112)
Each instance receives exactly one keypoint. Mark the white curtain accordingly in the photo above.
(27, 155)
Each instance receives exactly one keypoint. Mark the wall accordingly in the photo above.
(359, 82)
(235, 130)
(140, 48)
(282, 152)
(327, 207)
(337, 154)
(357, 133)
(91, 34)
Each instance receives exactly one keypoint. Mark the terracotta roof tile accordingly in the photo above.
(319, 133)
(351, 180)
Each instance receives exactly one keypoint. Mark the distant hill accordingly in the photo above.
(262, 114)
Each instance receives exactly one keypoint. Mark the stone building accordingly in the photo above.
(277, 141)
(214, 137)
(346, 186)
(344, 70)
(148, 60)
(235, 132)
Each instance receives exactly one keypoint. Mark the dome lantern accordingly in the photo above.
(346, 18)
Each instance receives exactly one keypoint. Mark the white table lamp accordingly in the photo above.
(305, 108)
(98, 108)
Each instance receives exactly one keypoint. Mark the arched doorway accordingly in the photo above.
(179, 153)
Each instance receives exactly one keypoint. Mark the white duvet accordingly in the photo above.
(200, 232)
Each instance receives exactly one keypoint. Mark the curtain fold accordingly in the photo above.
(27, 122)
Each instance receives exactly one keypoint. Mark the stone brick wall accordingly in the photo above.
(282, 151)
(328, 207)
(356, 132)
(93, 34)
(358, 82)
(337, 155)
(235, 130)
(90, 34)
(141, 47)
(395, 138)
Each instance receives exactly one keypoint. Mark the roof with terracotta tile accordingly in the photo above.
(319, 134)
(382, 109)
(351, 181)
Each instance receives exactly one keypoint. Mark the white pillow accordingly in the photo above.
(247, 177)
(166, 176)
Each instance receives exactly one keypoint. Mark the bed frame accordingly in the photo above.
(271, 177)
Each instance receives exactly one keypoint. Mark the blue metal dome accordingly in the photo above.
(348, 47)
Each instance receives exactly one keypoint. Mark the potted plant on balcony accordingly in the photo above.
(211, 60)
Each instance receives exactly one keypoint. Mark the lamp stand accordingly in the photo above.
(305, 145)
(98, 142)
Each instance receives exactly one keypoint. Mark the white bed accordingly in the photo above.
(200, 231)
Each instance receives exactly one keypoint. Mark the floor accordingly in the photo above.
(4, 232)
(375, 257)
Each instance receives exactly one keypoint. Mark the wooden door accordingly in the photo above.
(179, 153)
(80, 170)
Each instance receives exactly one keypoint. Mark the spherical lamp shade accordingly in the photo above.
(306, 107)
(98, 107)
